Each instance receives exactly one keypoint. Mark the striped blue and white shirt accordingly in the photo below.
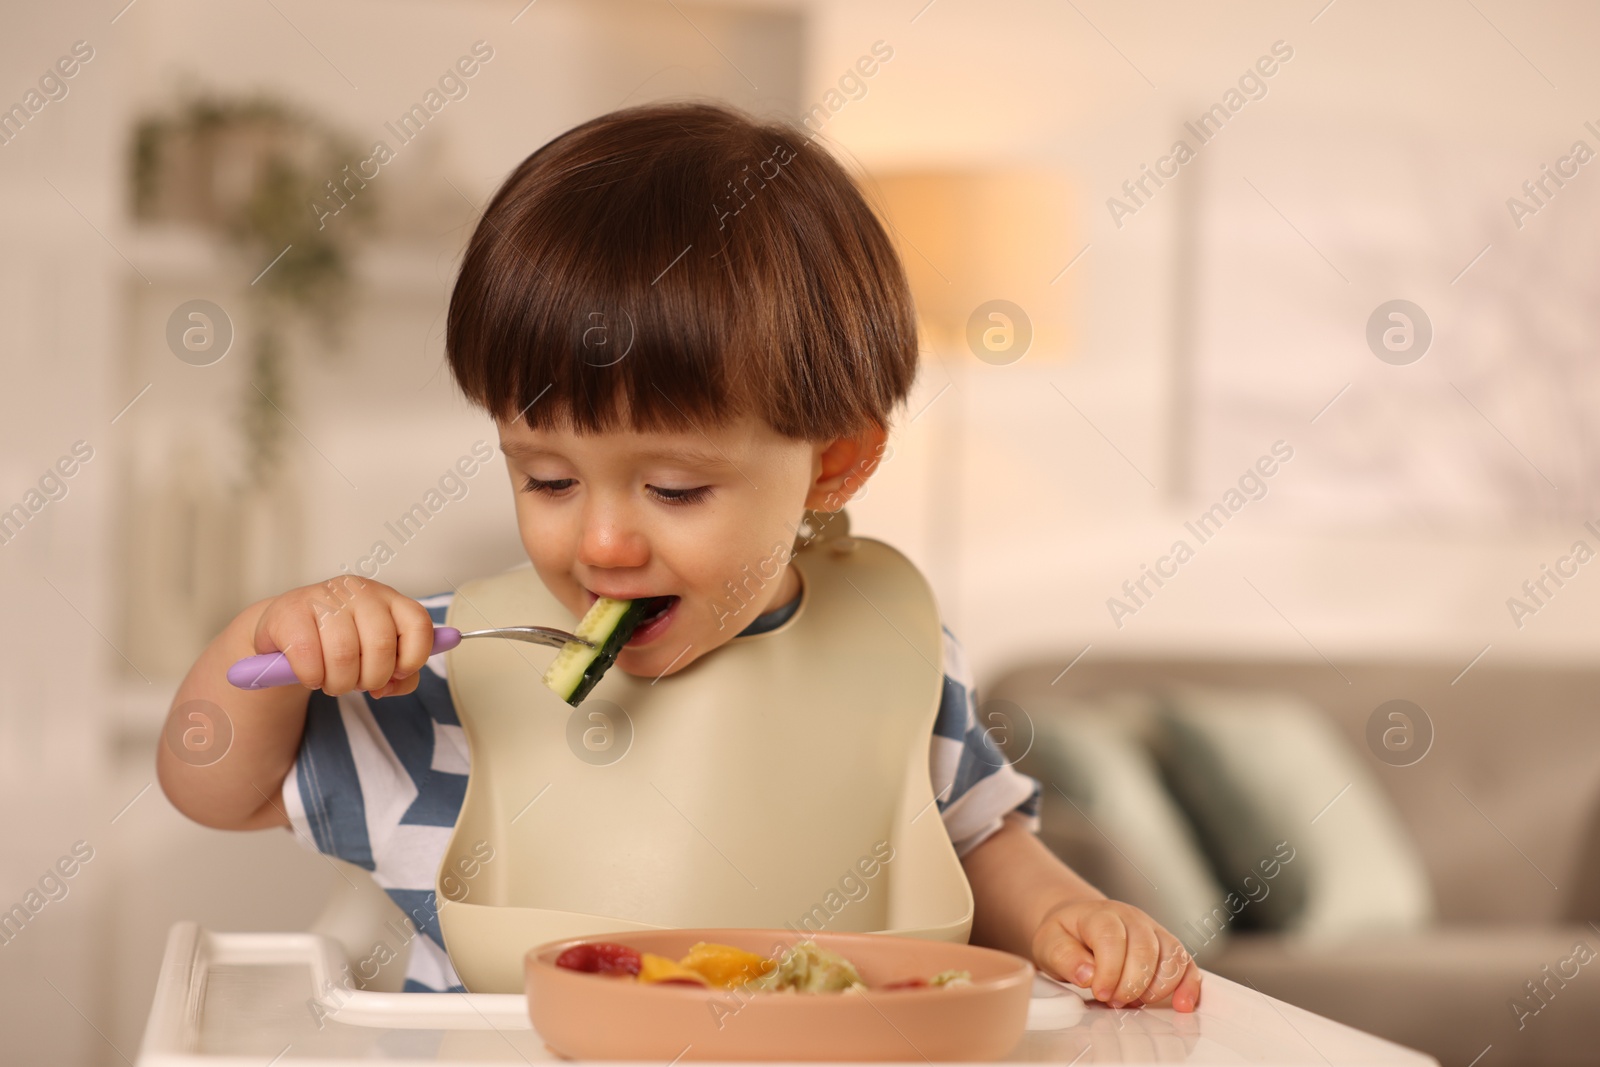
(380, 783)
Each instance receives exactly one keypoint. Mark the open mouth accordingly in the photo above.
(656, 606)
(659, 612)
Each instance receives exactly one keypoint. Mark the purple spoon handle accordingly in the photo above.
(273, 668)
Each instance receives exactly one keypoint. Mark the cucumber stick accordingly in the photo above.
(608, 624)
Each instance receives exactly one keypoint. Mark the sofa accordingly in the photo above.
(1404, 847)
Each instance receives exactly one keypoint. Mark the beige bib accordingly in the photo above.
(779, 781)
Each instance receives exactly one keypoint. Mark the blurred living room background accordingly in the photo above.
(1127, 348)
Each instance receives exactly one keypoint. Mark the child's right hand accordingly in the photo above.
(349, 633)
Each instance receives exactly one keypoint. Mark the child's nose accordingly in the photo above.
(610, 541)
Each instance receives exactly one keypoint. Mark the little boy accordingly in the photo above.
(689, 329)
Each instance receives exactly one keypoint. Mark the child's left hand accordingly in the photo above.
(1130, 959)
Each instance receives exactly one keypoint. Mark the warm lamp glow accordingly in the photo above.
(970, 237)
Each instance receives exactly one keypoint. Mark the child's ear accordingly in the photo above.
(842, 466)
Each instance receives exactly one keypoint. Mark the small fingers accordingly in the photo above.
(1139, 964)
(341, 657)
(1127, 959)
(1169, 971)
(295, 634)
(415, 630)
(1187, 995)
(397, 687)
(1107, 938)
(1063, 955)
(415, 627)
(341, 648)
(380, 640)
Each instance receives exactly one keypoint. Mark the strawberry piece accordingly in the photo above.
(600, 957)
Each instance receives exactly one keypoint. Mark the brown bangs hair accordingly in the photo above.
(666, 267)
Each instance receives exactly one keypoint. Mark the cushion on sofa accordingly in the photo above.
(1274, 790)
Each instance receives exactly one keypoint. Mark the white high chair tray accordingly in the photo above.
(266, 999)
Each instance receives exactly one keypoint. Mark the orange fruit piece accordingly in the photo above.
(724, 965)
(653, 968)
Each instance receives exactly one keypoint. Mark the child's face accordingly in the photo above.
(629, 514)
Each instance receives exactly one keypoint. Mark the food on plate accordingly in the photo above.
(608, 624)
(804, 968)
(724, 965)
(810, 968)
(600, 957)
(942, 978)
(653, 968)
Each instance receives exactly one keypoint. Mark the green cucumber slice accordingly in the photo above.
(608, 623)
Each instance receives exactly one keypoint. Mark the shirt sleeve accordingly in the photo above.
(975, 786)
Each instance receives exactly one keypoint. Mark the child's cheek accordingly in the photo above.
(544, 540)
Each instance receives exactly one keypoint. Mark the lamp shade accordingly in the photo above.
(967, 238)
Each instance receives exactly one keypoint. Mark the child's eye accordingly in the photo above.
(551, 488)
(681, 496)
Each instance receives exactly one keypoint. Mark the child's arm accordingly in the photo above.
(1028, 902)
(340, 635)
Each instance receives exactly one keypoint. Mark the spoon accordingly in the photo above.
(273, 668)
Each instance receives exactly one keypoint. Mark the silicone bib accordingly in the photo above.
(780, 780)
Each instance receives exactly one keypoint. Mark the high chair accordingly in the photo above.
(230, 999)
(330, 996)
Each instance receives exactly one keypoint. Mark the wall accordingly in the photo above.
(1391, 140)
